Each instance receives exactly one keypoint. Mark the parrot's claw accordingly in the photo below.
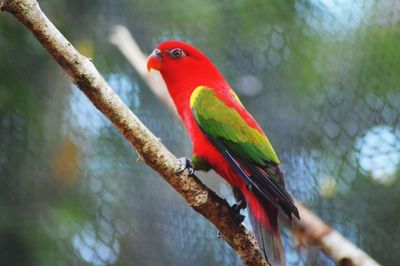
(185, 164)
(240, 205)
(237, 207)
(239, 218)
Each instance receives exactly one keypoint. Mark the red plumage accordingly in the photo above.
(185, 70)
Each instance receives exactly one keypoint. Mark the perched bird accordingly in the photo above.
(227, 139)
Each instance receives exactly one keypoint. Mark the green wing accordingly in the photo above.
(245, 148)
(224, 123)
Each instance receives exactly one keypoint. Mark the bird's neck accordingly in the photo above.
(181, 86)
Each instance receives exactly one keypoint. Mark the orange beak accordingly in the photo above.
(154, 60)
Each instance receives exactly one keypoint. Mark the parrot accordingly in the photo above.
(227, 139)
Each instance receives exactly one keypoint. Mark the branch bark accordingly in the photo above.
(310, 229)
(83, 73)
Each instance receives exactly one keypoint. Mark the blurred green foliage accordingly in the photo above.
(321, 77)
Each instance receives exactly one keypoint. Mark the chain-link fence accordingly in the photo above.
(321, 77)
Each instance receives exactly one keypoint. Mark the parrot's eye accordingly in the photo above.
(177, 53)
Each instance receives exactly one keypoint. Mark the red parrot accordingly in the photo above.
(227, 139)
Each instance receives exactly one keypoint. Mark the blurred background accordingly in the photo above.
(321, 77)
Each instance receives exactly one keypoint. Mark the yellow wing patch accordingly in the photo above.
(235, 96)
(197, 91)
(195, 94)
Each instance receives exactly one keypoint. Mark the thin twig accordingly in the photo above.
(312, 230)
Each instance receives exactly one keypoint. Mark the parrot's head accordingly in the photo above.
(174, 56)
(182, 64)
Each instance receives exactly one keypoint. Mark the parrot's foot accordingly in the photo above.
(185, 164)
(240, 205)
(240, 201)
(237, 207)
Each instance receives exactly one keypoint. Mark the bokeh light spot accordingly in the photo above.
(379, 153)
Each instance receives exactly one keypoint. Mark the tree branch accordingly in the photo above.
(83, 73)
(310, 229)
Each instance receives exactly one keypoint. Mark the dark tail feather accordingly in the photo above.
(266, 230)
